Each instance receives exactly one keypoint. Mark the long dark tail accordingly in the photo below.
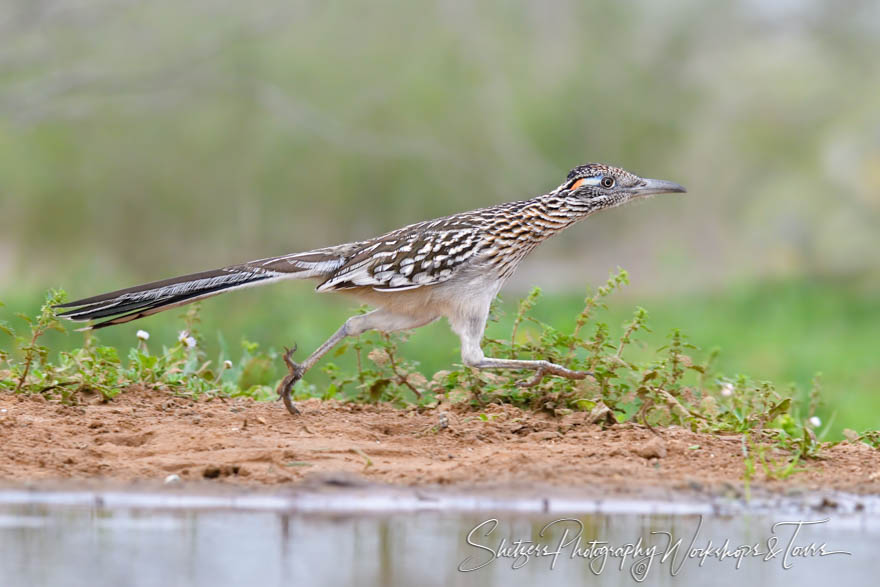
(129, 304)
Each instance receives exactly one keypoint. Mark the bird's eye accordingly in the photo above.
(607, 182)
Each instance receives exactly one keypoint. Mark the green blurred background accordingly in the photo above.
(139, 140)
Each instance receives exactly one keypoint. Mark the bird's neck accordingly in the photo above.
(519, 227)
(541, 217)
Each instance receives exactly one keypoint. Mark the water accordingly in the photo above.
(154, 539)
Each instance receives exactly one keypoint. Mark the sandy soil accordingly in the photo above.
(147, 435)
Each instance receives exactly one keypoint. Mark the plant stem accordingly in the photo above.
(402, 378)
(28, 359)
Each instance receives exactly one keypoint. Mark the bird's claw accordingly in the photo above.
(287, 356)
(532, 381)
(286, 386)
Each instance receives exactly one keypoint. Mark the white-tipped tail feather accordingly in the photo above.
(129, 304)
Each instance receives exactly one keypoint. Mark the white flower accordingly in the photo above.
(227, 364)
(181, 336)
(143, 335)
(726, 389)
(815, 422)
(190, 342)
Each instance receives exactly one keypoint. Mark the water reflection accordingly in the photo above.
(54, 545)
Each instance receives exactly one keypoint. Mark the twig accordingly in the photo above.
(29, 358)
(401, 378)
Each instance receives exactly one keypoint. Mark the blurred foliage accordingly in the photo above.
(138, 140)
(670, 388)
(182, 368)
(784, 332)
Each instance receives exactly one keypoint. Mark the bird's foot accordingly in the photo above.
(295, 373)
(552, 369)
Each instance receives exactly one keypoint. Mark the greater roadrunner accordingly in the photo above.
(449, 267)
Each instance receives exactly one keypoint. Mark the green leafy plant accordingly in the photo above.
(180, 368)
(34, 355)
(628, 382)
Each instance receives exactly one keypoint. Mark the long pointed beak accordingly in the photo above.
(658, 186)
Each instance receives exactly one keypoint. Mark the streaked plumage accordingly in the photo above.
(449, 267)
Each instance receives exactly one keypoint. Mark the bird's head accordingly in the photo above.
(596, 186)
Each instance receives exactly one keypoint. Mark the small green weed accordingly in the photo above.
(180, 368)
(671, 387)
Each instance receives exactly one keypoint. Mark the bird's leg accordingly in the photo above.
(297, 370)
(540, 367)
(471, 333)
(375, 320)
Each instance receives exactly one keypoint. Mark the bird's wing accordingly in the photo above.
(422, 254)
(314, 263)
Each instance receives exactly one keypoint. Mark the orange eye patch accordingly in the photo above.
(599, 180)
(578, 184)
